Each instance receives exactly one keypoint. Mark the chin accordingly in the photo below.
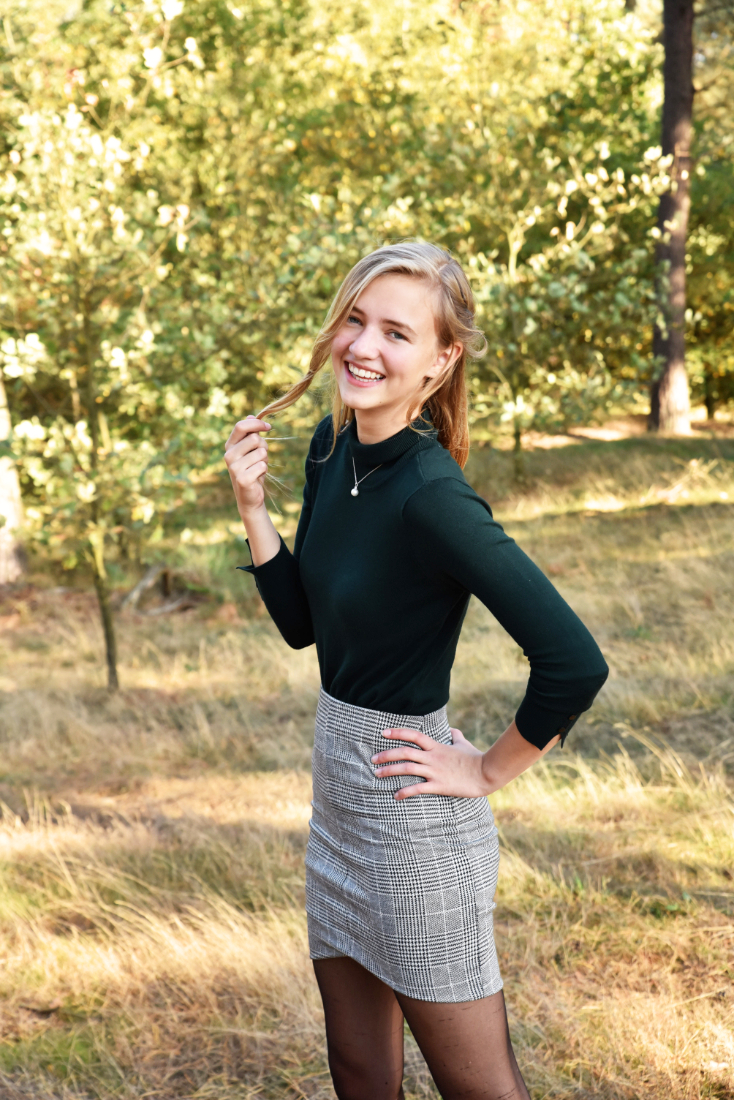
(355, 398)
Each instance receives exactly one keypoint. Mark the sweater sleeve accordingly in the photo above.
(455, 533)
(279, 580)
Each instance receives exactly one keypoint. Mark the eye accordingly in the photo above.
(399, 335)
(352, 320)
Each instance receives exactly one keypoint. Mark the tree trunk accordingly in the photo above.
(97, 533)
(11, 508)
(518, 456)
(108, 626)
(709, 392)
(669, 396)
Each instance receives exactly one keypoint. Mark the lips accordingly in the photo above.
(362, 375)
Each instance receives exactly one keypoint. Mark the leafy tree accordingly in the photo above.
(710, 283)
(85, 250)
(183, 187)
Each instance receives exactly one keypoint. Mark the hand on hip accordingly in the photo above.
(454, 769)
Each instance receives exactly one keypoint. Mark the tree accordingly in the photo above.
(11, 508)
(182, 187)
(669, 394)
(84, 247)
(710, 278)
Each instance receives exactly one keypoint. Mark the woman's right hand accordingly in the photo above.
(246, 456)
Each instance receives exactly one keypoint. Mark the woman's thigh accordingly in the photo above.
(364, 1031)
(467, 1047)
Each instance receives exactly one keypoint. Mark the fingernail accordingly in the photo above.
(386, 733)
(373, 759)
(267, 426)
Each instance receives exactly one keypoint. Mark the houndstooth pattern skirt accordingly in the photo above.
(405, 888)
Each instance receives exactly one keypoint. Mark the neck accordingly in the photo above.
(374, 425)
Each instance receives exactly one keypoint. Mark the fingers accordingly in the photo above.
(245, 475)
(409, 761)
(252, 449)
(405, 767)
(248, 469)
(247, 472)
(388, 755)
(454, 770)
(245, 446)
(416, 788)
(249, 427)
(415, 736)
(247, 451)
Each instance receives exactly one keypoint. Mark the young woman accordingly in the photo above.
(402, 857)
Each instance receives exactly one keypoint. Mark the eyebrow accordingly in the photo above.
(388, 321)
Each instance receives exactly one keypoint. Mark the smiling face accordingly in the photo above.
(385, 350)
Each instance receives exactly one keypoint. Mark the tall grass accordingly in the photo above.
(152, 935)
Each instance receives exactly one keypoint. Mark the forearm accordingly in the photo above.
(509, 757)
(264, 540)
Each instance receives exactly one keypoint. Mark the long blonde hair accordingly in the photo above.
(444, 397)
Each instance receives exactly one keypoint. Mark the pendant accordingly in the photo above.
(355, 491)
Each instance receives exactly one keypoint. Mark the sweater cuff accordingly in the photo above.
(539, 726)
(270, 570)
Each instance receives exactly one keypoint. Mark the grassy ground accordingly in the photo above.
(152, 936)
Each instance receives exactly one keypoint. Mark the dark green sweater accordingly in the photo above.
(381, 583)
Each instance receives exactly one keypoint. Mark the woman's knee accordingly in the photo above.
(365, 1080)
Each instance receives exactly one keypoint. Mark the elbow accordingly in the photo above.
(587, 670)
(599, 674)
(298, 640)
(588, 687)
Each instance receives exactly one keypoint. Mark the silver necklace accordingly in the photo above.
(355, 490)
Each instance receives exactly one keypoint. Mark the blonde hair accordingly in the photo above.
(444, 397)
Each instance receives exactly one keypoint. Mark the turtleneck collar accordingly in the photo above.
(387, 450)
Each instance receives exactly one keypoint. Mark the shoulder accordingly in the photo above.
(436, 464)
(321, 441)
(442, 480)
(441, 495)
(323, 435)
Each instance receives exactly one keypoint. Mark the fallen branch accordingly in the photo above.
(148, 580)
(181, 603)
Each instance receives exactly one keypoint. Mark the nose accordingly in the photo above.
(364, 345)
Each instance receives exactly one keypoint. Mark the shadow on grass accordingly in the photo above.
(641, 874)
(82, 875)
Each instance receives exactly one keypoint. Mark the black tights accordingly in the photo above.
(466, 1045)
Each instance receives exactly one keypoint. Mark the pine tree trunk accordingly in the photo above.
(669, 395)
(12, 558)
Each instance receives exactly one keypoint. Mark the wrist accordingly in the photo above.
(489, 776)
(250, 516)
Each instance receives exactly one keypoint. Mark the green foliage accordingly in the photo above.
(183, 186)
(710, 277)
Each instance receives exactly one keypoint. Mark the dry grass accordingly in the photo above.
(152, 937)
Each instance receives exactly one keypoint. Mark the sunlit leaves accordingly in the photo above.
(183, 186)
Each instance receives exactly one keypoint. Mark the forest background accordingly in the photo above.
(182, 187)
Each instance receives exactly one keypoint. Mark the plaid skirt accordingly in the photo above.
(405, 888)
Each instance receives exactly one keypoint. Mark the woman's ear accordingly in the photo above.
(445, 360)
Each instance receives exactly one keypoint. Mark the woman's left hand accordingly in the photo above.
(454, 769)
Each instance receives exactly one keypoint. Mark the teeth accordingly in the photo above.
(360, 372)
